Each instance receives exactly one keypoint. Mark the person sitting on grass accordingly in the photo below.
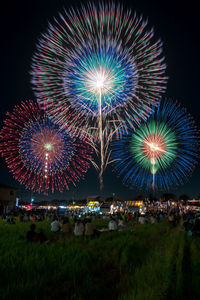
(112, 225)
(8, 222)
(171, 218)
(12, 221)
(130, 217)
(40, 236)
(55, 225)
(4, 217)
(142, 219)
(21, 218)
(89, 228)
(30, 235)
(121, 223)
(32, 218)
(152, 219)
(66, 226)
(196, 227)
(79, 228)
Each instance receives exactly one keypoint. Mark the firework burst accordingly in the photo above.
(103, 48)
(161, 152)
(38, 153)
(98, 62)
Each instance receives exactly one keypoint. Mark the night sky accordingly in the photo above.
(175, 22)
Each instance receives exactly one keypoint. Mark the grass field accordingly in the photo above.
(151, 262)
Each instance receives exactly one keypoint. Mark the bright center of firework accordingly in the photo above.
(48, 146)
(101, 69)
(99, 81)
(154, 147)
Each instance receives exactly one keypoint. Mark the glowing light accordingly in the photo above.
(48, 146)
(97, 82)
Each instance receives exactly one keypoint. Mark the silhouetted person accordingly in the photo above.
(40, 237)
(21, 218)
(8, 221)
(12, 221)
(31, 233)
(66, 226)
(89, 228)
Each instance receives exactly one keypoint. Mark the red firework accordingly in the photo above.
(40, 154)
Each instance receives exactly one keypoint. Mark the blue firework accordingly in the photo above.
(161, 152)
(94, 66)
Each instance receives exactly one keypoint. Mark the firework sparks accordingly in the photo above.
(99, 62)
(38, 153)
(161, 152)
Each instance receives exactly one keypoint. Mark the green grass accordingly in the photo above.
(141, 262)
(195, 265)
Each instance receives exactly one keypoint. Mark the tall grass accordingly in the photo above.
(195, 266)
(141, 262)
(153, 278)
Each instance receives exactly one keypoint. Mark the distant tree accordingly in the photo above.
(169, 196)
(139, 198)
(152, 198)
(109, 199)
(184, 197)
(84, 201)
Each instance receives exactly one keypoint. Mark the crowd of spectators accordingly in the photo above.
(77, 224)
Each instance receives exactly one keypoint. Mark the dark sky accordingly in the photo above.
(175, 22)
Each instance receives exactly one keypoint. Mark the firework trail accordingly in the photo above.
(161, 152)
(98, 64)
(38, 153)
